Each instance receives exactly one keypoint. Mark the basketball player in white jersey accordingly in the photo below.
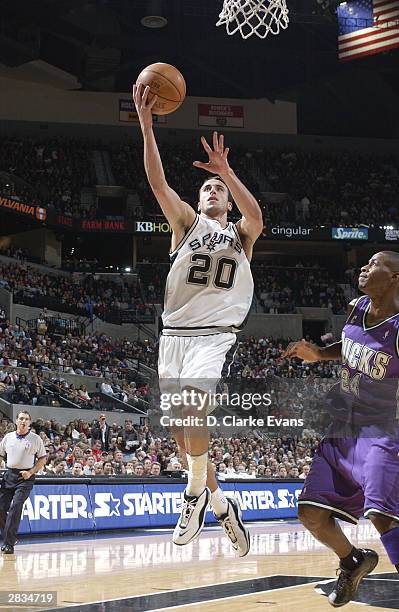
(207, 299)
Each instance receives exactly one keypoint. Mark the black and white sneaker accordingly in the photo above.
(7, 549)
(348, 580)
(235, 529)
(192, 518)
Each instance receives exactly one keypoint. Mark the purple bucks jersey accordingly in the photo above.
(368, 393)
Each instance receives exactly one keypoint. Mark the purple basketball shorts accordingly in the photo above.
(355, 477)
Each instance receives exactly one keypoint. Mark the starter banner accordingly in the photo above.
(90, 506)
(57, 508)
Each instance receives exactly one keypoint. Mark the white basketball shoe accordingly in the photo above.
(234, 528)
(192, 517)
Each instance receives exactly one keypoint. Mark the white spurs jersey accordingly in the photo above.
(210, 283)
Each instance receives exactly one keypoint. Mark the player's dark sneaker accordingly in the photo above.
(192, 517)
(349, 580)
(7, 549)
(234, 528)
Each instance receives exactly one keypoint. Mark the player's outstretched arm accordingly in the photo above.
(251, 223)
(310, 352)
(178, 213)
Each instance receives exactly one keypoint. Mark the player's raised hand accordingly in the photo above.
(303, 350)
(217, 157)
(143, 104)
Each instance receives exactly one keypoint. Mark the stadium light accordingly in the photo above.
(154, 18)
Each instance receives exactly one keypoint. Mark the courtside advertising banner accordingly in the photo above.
(89, 507)
(57, 508)
(120, 506)
(221, 115)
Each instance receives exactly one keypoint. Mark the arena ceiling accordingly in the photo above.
(102, 45)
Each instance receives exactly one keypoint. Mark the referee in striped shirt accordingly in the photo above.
(26, 455)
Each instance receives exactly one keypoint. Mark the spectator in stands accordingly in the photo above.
(88, 469)
(102, 433)
(83, 443)
(108, 469)
(7, 387)
(83, 394)
(147, 464)
(96, 449)
(22, 393)
(241, 471)
(76, 455)
(139, 470)
(98, 469)
(305, 471)
(77, 469)
(106, 388)
(155, 469)
(119, 467)
(59, 468)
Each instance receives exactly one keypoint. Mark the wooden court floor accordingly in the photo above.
(143, 571)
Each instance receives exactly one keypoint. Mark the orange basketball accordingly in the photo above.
(167, 83)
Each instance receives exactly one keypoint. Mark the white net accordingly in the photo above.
(249, 17)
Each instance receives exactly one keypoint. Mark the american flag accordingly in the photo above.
(367, 27)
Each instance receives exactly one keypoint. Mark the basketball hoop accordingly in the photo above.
(249, 17)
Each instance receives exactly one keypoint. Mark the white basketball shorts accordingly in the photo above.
(198, 362)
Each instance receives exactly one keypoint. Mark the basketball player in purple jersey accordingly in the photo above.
(355, 472)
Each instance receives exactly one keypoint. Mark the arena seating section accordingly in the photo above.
(85, 295)
(338, 187)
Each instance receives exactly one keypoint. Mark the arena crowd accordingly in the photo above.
(78, 449)
(83, 295)
(341, 187)
(279, 289)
